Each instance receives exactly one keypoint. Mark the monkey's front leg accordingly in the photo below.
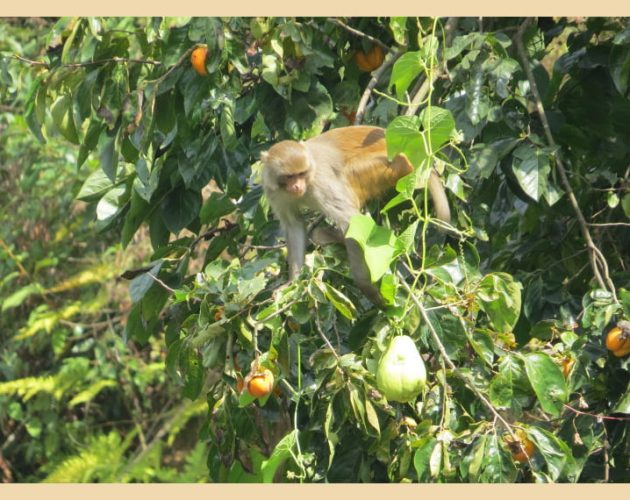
(296, 246)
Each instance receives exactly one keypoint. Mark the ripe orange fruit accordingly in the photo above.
(370, 61)
(260, 384)
(218, 314)
(620, 353)
(522, 447)
(618, 340)
(198, 60)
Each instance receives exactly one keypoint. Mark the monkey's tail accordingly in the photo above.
(438, 195)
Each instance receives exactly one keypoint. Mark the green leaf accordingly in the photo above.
(137, 327)
(109, 157)
(90, 141)
(477, 458)
(439, 124)
(33, 109)
(140, 285)
(63, 119)
(422, 457)
(397, 25)
(281, 452)
(497, 465)
(95, 186)
(331, 437)
(402, 136)
(356, 403)
(620, 67)
(245, 399)
(532, 168)
(406, 69)
(502, 385)
(342, 303)
(228, 131)
(500, 299)
(110, 204)
(548, 382)
(136, 215)
(180, 208)
(217, 206)
(378, 244)
(18, 297)
(192, 371)
(557, 454)
(372, 417)
(623, 405)
(485, 157)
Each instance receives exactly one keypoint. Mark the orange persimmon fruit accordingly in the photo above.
(198, 60)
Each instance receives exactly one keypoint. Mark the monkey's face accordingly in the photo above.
(287, 168)
(294, 184)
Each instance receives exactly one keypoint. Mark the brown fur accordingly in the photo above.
(342, 169)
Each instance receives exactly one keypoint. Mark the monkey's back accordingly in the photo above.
(359, 153)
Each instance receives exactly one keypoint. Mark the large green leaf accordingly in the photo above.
(500, 299)
(63, 118)
(406, 70)
(281, 452)
(378, 244)
(548, 382)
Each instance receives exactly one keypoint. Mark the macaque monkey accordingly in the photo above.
(336, 174)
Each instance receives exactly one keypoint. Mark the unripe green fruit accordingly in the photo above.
(401, 375)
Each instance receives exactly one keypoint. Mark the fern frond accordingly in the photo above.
(72, 375)
(193, 409)
(91, 392)
(100, 460)
(28, 387)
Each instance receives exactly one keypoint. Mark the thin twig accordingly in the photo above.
(179, 62)
(358, 33)
(14, 258)
(162, 284)
(593, 415)
(324, 338)
(597, 259)
(609, 224)
(425, 86)
(89, 63)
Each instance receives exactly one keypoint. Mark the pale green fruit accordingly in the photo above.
(401, 375)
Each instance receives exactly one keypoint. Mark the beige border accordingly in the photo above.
(316, 8)
(314, 491)
(309, 491)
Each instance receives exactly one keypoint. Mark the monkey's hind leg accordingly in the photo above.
(361, 273)
(326, 235)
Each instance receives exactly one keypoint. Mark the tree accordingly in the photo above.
(526, 121)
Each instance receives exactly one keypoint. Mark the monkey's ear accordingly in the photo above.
(264, 155)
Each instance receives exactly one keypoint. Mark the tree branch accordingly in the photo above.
(356, 32)
(597, 259)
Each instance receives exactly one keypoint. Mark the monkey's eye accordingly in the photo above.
(284, 179)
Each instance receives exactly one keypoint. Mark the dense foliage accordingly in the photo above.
(525, 119)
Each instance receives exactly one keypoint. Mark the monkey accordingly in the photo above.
(335, 174)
